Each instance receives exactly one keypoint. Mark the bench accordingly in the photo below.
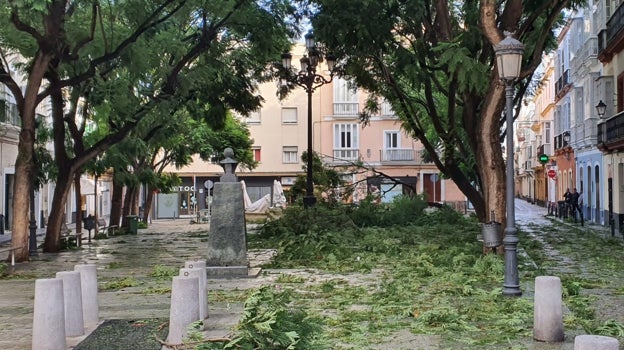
(11, 249)
(102, 228)
(67, 237)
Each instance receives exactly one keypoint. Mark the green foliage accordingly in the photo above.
(120, 283)
(270, 321)
(3, 269)
(163, 272)
(437, 71)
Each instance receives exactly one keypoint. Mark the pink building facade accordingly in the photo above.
(390, 160)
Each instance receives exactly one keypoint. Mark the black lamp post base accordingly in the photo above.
(32, 243)
(512, 291)
(309, 201)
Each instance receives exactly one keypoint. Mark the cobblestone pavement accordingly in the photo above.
(167, 243)
(171, 243)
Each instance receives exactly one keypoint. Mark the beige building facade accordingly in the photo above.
(391, 160)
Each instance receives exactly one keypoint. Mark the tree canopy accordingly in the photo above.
(434, 62)
(123, 63)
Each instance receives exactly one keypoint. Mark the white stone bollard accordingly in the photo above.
(49, 315)
(201, 279)
(72, 295)
(203, 297)
(89, 286)
(595, 342)
(548, 310)
(184, 307)
(195, 264)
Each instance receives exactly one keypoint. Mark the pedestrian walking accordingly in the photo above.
(574, 202)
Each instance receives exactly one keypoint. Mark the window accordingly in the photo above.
(547, 136)
(290, 154)
(256, 153)
(289, 115)
(253, 117)
(345, 98)
(392, 139)
(620, 91)
(346, 143)
(386, 109)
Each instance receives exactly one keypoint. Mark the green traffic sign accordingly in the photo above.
(543, 158)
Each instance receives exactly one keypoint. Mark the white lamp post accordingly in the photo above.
(310, 80)
(508, 61)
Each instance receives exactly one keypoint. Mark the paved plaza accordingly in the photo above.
(165, 243)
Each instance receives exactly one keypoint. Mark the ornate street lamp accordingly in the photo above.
(508, 61)
(310, 80)
(601, 109)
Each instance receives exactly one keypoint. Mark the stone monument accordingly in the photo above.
(227, 241)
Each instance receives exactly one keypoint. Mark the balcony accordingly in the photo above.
(611, 40)
(346, 109)
(584, 135)
(397, 154)
(610, 135)
(588, 50)
(563, 84)
(9, 113)
(560, 142)
(346, 155)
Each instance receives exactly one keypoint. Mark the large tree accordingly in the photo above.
(132, 56)
(433, 60)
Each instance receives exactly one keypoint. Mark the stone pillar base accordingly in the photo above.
(232, 271)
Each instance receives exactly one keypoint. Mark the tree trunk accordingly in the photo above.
(79, 202)
(57, 212)
(489, 154)
(148, 204)
(127, 205)
(116, 204)
(23, 174)
(24, 163)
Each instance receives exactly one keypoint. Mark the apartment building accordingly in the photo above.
(392, 161)
(585, 73)
(610, 132)
(587, 113)
(564, 98)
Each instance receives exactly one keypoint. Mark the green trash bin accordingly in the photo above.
(133, 222)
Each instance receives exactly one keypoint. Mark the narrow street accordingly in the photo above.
(587, 255)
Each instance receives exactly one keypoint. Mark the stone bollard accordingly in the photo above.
(195, 264)
(592, 342)
(548, 310)
(72, 295)
(89, 286)
(184, 307)
(201, 279)
(49, 315)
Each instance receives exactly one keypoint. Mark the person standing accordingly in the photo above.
(574, 201)
(568, 204)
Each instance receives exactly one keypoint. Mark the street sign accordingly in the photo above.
(552, 173)
(434, 177)
(543, 158)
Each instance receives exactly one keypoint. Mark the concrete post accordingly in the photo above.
(49, 315)
(72, 295)
(195, 264)
(201, 279)
(184, 307)
(594, 342)
(548, 310)
(89, 286)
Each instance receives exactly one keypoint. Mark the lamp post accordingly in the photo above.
(508, 61)
(601, 108)
(310, 80)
